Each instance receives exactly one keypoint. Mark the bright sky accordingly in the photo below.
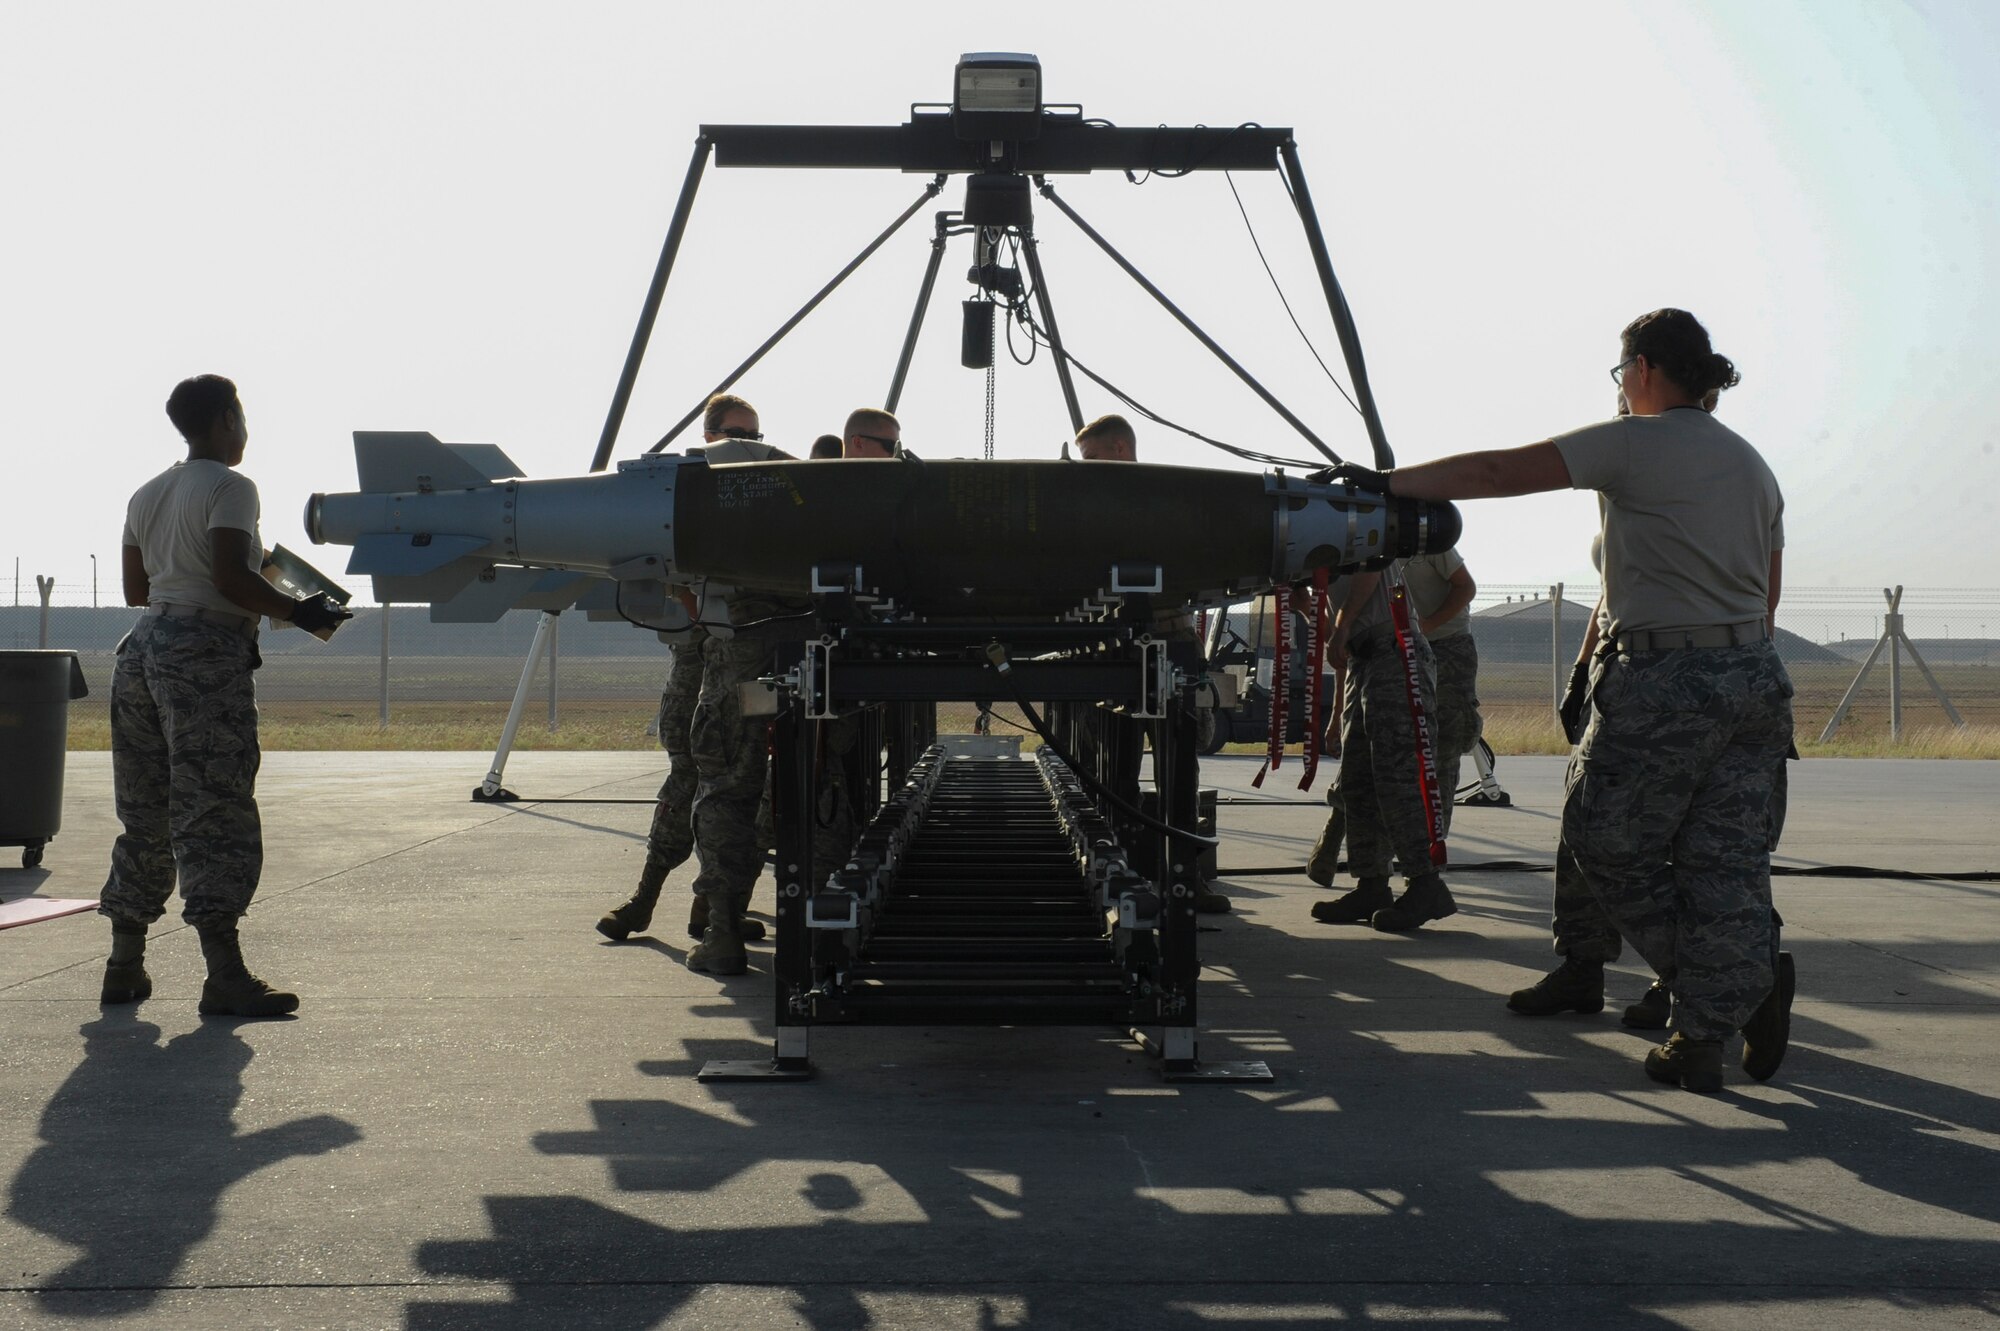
(443, 217)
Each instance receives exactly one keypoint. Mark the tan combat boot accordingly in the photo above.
(751, 930)
(231, 990)
(621, 922)
(1654, 1011)
(1425, 899)
(125, 978)
(1358, 906)
(1324, 862)
(720, 951)
(1695, 1064)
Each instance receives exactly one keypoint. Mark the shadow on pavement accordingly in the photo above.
(1429, 1158)
(138, 1147)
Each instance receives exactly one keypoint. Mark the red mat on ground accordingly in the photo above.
(33, 910)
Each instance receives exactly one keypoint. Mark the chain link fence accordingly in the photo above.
(396, 669)
(1529, 637)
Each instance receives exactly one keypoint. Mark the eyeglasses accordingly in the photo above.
(890, 444)
(1618, 370)
(738, 432)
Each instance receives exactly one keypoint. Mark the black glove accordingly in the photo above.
(313, 613)
(1576, 702)
(1362, 478)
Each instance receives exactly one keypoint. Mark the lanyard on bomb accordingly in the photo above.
(1279, 729)
(1420, 719)
(1281, 685)
(1315, 650)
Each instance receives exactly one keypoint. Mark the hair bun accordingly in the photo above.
(1724, 370)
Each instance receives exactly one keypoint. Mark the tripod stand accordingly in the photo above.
(1897, 642)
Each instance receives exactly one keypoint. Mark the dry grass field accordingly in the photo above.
(292, 725)
(446, 703)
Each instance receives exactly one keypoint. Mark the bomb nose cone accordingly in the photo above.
(1442, 525)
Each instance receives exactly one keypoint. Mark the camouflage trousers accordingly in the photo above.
(1325, 857)
(1458, 720)
(731, 760)
(1458, 729)
(1380, 804)
(1668, 817)
(1584, 931)
(670, 840)
(184, 761)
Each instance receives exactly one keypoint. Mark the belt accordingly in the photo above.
(1716, 635)
(239, 624)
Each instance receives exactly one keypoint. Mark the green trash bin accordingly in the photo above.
(35, 693)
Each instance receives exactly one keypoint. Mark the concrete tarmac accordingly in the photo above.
(485, 1116)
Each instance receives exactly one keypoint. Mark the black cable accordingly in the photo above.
(1009, 721)
(1105, 792)
(1098, 788)
(1777, 871)
(1246, 800)
(618, 606)
(1019, 311)
(1258, 246)
(1195, 165)
(530, 799)
(1247, 454)
(1026, 318)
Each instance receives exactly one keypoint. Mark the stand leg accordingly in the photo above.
(1847, 699)
(1931, 680)
(490, 790)
(790, 1061)
(1176, 1049)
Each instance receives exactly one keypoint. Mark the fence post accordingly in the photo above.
(1558, 677)
(1892, 633)
(382, 722)
(47, 587)
(555, 627)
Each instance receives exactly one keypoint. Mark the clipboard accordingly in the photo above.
(296, 578)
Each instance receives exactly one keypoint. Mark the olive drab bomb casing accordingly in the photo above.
(943, 539)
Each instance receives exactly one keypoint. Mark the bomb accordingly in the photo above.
(951, 540)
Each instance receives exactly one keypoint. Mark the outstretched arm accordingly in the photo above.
(1493, 474)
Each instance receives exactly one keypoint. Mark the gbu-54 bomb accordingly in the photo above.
(942, 539)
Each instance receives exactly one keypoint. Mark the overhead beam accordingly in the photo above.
(1067, 145)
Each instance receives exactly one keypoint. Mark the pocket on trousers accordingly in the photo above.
(1607, 684)
(1668, 683)
(1604, 818)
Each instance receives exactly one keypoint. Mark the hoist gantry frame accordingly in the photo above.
(1062, 143)
(985, 891)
